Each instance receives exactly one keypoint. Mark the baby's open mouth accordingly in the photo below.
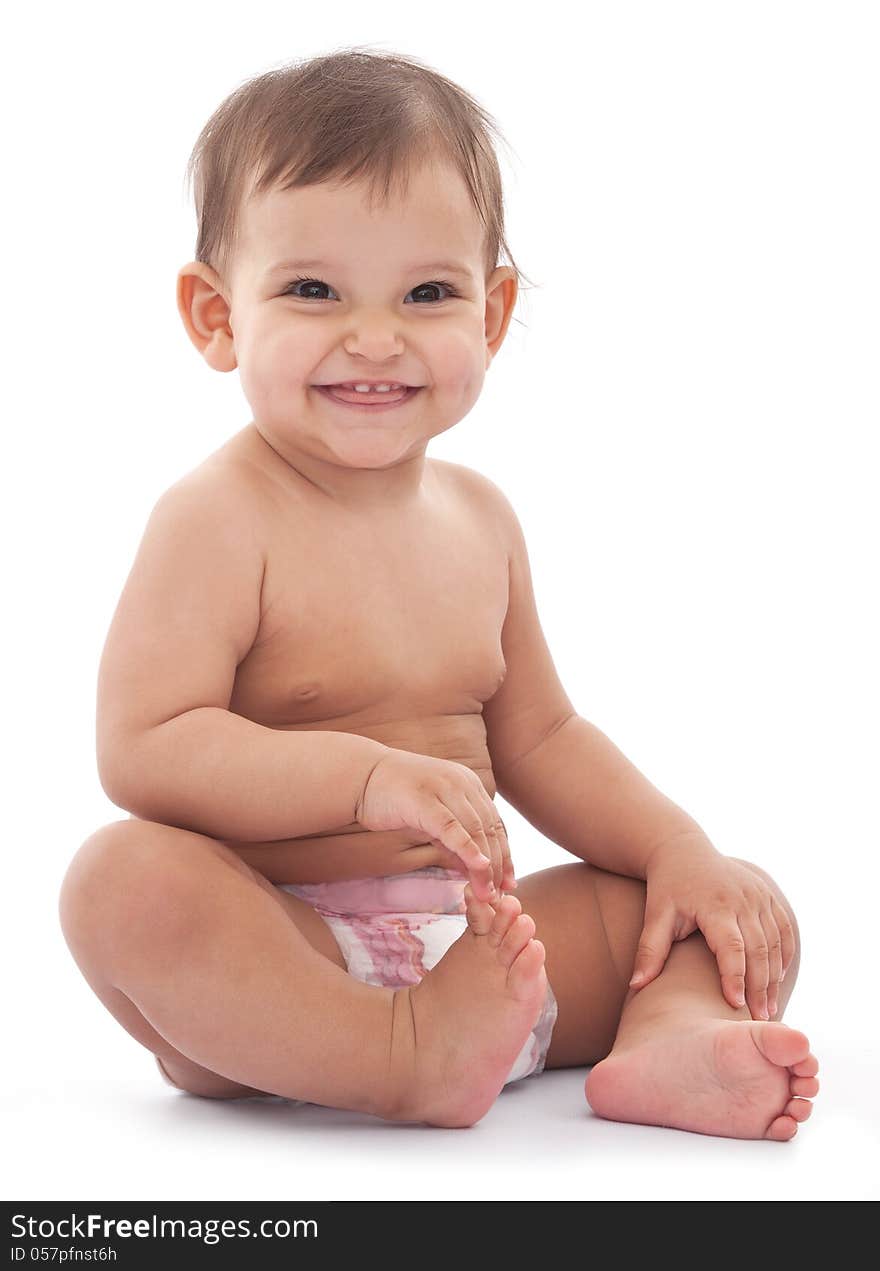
(372, 398)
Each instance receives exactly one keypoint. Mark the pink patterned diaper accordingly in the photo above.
(393, 929)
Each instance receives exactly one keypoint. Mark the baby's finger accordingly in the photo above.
(469, 812)
(786, 933)
(445, 823)
(509, 880)
(725, 939)
(757, 964)
(497, 859)
(500, 863)
(774, 946)
(483, 833)
(484, 810)
(498, 837)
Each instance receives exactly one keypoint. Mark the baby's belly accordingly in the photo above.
(331, 858)
(354, 852)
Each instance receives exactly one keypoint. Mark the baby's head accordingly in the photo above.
(350, 223)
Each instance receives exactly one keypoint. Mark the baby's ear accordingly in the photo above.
(204, 310)
(501, 292)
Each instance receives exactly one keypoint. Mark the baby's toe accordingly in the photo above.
(523, 975)
(806, 1067)
(506, 911)
(784, 1046)
(782, 1129)
(480, 914)
(807, 1086)
(798, 1109)
(521, 931)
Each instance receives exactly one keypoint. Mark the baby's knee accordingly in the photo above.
(783, 901)
(120, 881)
(84, 879)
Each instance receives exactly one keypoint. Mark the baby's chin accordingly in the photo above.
(371, 446)
(376, 455)
(357, 444)
(358, 449)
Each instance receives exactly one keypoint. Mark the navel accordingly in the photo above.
(307, 693)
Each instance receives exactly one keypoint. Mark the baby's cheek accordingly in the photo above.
(458, 357)
(469, 376)
(473, 386)
(273, 378)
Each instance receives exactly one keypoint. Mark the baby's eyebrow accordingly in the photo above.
(449, 267)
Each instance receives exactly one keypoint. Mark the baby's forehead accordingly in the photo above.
(435, 214)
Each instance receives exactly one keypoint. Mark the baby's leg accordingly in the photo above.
(674, 1053)
(204, 962)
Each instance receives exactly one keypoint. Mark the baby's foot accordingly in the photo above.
(458, 1031)
(739, 1079)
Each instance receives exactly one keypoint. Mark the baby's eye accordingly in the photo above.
(445, 286)
(292, 288)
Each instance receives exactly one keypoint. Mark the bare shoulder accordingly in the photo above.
(487, 500)
(221, 496)
(190, 609)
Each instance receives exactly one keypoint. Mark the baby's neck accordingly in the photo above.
(397, 488)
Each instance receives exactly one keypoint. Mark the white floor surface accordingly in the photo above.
(131, 1137)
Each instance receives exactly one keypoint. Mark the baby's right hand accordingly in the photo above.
(447, 802)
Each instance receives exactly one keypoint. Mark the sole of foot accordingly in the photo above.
(459, 1030)
(744, 1079)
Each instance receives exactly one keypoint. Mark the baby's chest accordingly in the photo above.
(376, 628)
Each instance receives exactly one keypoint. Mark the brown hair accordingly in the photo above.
(350, 115)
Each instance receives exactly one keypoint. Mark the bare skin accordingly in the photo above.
(473, 1011)
(438, 1052)
(306, 671)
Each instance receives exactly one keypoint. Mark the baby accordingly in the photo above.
(326, 660)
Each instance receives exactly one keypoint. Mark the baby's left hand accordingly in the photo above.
(743, 923)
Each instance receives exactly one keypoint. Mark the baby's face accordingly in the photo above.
(371, 307)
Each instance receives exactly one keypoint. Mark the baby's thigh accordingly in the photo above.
(93, 927)
(590, 988)
(311, 924)
(183, 1073)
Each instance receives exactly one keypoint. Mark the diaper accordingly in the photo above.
(393, 929)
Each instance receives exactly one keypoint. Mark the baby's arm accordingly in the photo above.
(169, 748)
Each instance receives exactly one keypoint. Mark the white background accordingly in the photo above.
(684, 416)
